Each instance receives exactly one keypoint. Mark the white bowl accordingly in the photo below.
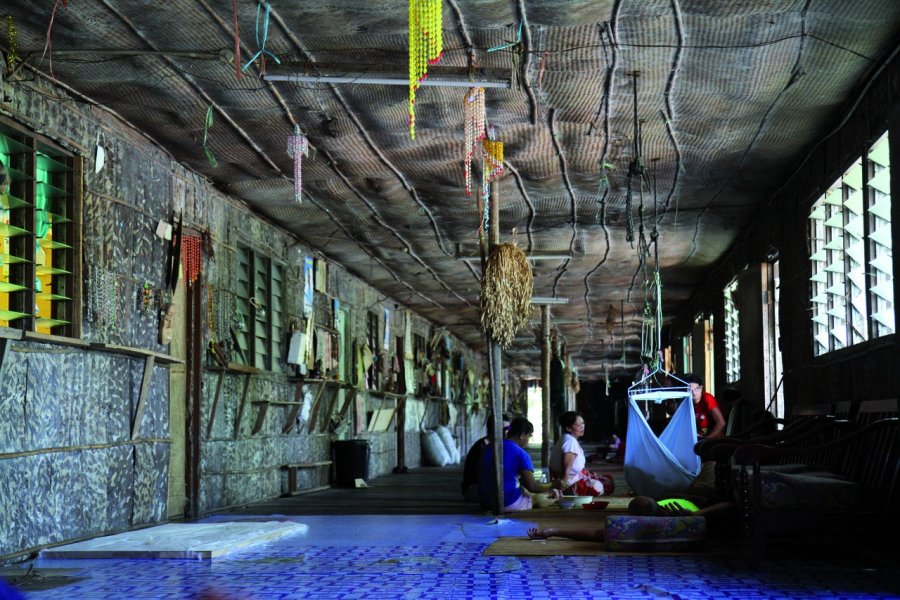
(579, 500)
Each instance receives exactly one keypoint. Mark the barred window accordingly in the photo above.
(40, 216)
(851, 286)
(732, 335)
(259, 304)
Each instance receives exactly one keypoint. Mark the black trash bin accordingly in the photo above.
(351, 461)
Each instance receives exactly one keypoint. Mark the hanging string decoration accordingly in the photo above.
(191, 257)
(103, 293)
(12, 44)
(297, 147)
(237, 43)
(506, 291)
(491, 169)
(426, 46)
(207, 123)
(262, 36)
(48, 46)
(474, 121)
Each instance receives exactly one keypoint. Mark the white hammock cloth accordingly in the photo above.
(663, 466)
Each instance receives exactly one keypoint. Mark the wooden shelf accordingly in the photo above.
(137, 353)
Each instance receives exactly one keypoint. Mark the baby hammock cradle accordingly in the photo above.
(661, 466)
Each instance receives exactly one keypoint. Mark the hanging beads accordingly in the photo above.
(12, 43)
(426, 46)
(102, 299)
(191, 258)
(297, 146)
(473, 118)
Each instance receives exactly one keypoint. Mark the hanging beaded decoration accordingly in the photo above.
(191, 257)
(297, 146)
(491, 169)
(102, 299)
(12, 42)
(148, 299)
(473, 117)
(426, 46)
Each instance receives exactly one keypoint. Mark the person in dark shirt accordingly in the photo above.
(473, 460)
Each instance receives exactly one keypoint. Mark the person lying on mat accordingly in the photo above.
(641, 506)
(567, 460)
(518, 473)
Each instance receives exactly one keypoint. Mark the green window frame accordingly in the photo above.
(40, 234)
(260, 290)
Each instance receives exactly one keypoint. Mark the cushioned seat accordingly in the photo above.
(654, 534)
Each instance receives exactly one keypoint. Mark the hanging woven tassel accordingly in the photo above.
(426, 46)
(297, 147)
(473, 117)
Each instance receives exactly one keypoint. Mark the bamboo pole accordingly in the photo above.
(495, 366)
(545, 387)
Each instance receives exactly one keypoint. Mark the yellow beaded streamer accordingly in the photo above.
(493, 158)
(426, 44)
(12, 40)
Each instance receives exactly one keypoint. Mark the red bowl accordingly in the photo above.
(596, 505)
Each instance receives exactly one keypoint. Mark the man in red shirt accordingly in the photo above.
(710, 421)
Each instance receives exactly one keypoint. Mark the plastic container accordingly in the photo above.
(351, 461)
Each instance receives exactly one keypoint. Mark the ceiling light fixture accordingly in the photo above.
(450, 77)
(548, 300)
(531, 257)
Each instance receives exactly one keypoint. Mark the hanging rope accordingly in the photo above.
(261, 39)
(207, 123)
(237, 43)
(297, 147)
(48, 46)
(474, 122)
(426, 46)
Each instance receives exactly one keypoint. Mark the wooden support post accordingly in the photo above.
(401, 435)
(295, 409)
(494, 364)
(314, 413)
(212, 411)
(348, 401)
(547, 429)
(142, 396)
(240, 410)
(260, 418)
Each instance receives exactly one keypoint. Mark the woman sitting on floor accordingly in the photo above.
(567, 461)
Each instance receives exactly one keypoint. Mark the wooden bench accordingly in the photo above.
(292, 469)
(863, 463)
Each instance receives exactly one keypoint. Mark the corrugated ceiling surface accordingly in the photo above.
(730, 96)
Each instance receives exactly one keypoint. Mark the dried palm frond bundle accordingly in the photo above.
(506, 289)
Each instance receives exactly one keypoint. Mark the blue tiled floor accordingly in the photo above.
(430, 556)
